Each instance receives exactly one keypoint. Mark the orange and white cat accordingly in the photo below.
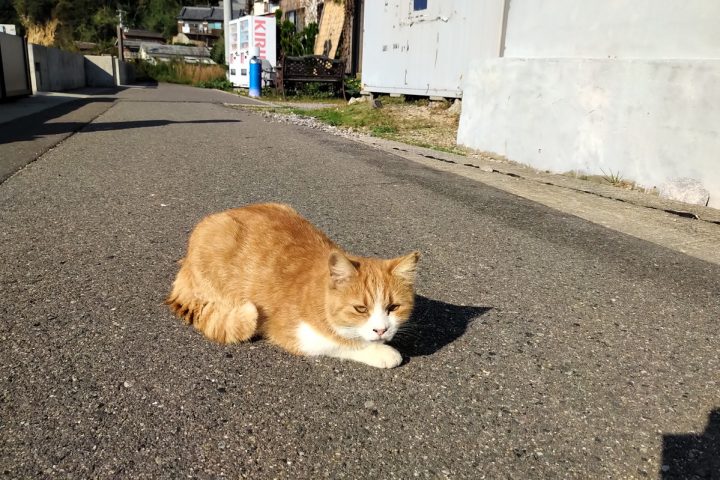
(265, 270)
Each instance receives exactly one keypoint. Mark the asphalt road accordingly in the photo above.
(545, 347)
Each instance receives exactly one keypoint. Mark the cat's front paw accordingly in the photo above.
(381, 356)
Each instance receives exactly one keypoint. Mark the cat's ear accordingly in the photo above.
(405, 267)
(341, 268)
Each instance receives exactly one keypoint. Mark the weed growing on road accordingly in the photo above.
(612, 178)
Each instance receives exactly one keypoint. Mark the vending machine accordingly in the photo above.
(246, 33)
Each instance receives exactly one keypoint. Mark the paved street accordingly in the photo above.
(545, 346)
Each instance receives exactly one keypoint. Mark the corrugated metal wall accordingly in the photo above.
(424, 47)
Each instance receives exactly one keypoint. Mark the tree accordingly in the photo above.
(36, 11)
(8, 14)
(61, 22)
(160, 16)
(217, 53)
(85, 20)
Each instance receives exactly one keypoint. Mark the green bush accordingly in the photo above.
(294, 43)
(218, 83)
(217, 53)
(353, 86)
(315, 90)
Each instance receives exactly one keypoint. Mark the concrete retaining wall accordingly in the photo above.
(100, 71)
(654, 122)
(53, 70)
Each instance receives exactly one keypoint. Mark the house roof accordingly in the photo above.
(85, 45)
(136, 44)
(202, 14)
(155, 49)
(138, 33)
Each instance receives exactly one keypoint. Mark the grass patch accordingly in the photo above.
(359, 116)
(379, 130)
(409, 121)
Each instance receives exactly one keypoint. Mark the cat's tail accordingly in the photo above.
(219, 321)
(226, 323)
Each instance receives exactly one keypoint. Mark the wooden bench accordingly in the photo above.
(311, 69)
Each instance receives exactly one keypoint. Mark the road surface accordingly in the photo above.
(545, 346)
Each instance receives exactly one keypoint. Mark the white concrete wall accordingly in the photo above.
(427, 52)
(54, 70)
(628, 86)
(659, 29)
(654, 122)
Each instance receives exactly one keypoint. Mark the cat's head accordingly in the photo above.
(369, 298)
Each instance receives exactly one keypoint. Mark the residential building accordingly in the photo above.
(201, 25)
(301, 12)
(133, 38)
(264, 7)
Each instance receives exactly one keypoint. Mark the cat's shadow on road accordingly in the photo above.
(433, 325)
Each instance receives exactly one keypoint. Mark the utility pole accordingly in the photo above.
(121, 56)
(227, 16)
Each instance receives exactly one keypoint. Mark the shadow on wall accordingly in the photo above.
(433, 325)
(97, 76)
(693, 455)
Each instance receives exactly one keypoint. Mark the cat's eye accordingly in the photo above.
(392, 307)
(361, 308)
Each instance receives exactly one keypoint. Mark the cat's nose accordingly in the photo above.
(380, 331)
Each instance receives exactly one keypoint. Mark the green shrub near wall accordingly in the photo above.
(201, 75)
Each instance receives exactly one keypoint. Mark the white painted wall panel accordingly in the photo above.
(427, 52)
(654, 122)
(663, 29)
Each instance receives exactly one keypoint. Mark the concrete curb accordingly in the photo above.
(488, 164)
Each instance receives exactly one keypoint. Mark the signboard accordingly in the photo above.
(9, 29)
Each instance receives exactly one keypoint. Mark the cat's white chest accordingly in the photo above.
(311, 342)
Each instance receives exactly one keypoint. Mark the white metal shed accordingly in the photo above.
(423, 47)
